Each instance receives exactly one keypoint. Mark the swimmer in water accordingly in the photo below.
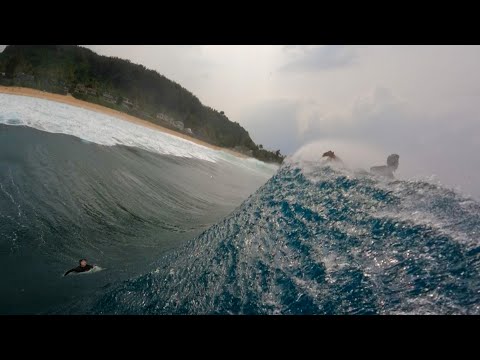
(81, 268)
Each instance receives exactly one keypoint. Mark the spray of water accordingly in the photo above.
(355, 155)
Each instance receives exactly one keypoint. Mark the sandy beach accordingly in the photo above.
(68, 99)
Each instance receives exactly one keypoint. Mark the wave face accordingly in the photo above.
(318, 240)
(122, 206)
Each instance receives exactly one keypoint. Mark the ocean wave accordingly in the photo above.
(63, 198)
(99, 128)
(320, 240)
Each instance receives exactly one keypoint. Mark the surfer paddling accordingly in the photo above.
(81, 268)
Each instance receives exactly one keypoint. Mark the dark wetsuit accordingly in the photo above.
(79, 269)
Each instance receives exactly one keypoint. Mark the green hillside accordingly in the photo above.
(124, 86)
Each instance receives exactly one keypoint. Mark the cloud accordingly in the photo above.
(379, 108)
(319, 58)
(378, 117)
(428, 144)
(273, 124)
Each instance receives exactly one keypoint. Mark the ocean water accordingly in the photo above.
(200, 232)
(121, 197)
(319, 241)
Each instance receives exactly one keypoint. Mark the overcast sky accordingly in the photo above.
(422, 102)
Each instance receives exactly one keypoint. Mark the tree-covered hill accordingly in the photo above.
(124, 86)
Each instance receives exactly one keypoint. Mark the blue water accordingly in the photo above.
(319, 241)
(63, 199)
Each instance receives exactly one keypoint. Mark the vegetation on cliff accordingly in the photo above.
(124, 86)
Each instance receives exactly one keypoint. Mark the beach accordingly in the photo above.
(70, 100)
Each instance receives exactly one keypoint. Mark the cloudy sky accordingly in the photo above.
(422, 102)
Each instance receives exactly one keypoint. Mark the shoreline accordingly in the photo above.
(70, 100)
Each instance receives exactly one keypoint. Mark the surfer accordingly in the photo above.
(81, 268)
(387, 170)
(330, 155)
